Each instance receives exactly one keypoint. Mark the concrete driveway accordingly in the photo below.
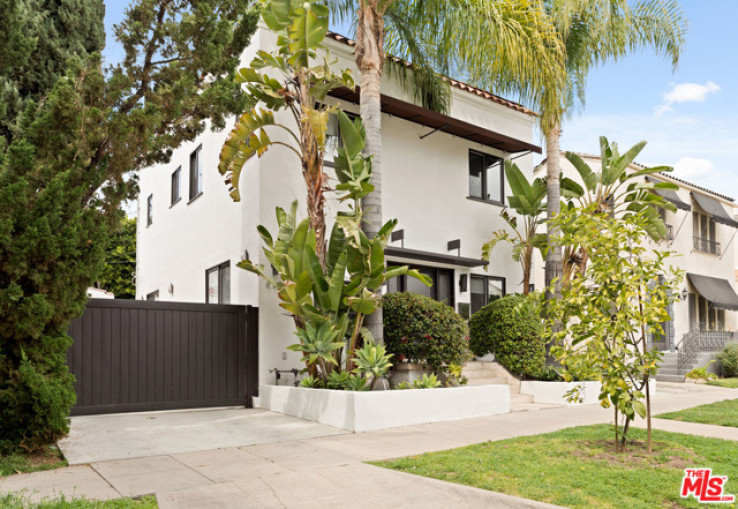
(95, 438)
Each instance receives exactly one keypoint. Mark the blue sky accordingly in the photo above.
(689, 117)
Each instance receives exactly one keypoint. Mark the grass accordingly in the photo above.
(730, 383)
(17, 502)
(46, 458)
(722, 413)
(578, 468)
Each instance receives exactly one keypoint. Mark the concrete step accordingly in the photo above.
(668, 371)
(485, 380)
(669, 378)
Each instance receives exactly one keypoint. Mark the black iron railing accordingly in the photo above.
(698, 341)
(706, 245)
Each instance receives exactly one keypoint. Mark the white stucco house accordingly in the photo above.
(702, 234)
(443, 180)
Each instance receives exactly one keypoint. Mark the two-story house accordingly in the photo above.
(702, 235)
(443, 180)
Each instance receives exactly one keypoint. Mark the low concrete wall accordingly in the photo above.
(372, 410)
(553, 393)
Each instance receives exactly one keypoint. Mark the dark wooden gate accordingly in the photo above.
(133, 356)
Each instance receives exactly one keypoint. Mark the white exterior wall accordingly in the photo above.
(685, 257)
(425, 186)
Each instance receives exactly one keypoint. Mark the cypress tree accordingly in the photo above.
(65, 167)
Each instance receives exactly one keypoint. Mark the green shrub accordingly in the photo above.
(729, 360)
(511, 329)
(36, 397)
(425, 331)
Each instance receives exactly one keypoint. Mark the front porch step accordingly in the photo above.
(486, 380)
(669, 371)
(669, 378)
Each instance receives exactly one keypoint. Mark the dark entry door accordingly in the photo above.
(441, 290)
(132, 356)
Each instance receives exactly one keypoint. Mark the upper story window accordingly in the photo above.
(176, 186)
(196, 173)
(333, 139)
(218, 284)
(486, 177)
(153, 296)
(484, 288)
(703, 233)
(149, 210)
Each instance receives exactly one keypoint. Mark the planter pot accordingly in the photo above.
(407, 372)
(372, 410)
(553, 393)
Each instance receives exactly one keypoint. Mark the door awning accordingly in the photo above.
(713, 207)
(716, 290)
(669, 195)
(427, 256)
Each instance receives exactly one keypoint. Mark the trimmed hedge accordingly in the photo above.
(511, 329)
(729, 360)
(423, 330)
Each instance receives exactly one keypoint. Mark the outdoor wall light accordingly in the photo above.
(684, 294)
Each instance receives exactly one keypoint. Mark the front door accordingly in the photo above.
(442, 289)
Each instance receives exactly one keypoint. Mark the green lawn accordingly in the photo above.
(46, 458)
(722, 413)
(730, 383)
(16, 502)
(578, 468)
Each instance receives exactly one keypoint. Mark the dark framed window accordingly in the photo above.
(149, 210)
(442, 289)
(703, 315)
(703, 233)
(218, 284)
(333, 139)
(153, 295)
(484, 288)
(486, 177)
(196, 173)
(176, 179)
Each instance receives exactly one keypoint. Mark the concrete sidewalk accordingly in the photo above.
(329, 470)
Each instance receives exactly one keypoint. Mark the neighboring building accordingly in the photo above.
(702, 234)
(443, 180)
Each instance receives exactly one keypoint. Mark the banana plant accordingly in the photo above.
(339, 293)
(616, 191)
(288, 79)
(528, 202)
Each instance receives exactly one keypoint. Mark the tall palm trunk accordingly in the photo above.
(554, 264)
(370, 61)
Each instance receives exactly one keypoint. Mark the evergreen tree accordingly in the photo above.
(42, 36)
(118, 274)
(64, 172)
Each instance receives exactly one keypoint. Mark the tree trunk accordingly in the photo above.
(554, 265)
(370, 61)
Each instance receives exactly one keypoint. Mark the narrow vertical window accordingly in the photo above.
(176, 178)
(218, 284)
(149, 210)
(196, 173)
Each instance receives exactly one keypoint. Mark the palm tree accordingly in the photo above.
(593, 32)
(510, 41)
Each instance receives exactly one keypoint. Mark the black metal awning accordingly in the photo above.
(713, 207)
(716, 290)
(669, 195)
(427, 256)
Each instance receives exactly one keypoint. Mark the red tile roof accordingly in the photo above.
(454, 83)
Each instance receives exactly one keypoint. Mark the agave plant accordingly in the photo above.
(373, 360)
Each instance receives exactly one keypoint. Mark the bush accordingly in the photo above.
(729, 360)
(425, 331)
(511, 329)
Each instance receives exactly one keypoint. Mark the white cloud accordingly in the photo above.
(690, 92)
(694, 168)
(685, 92)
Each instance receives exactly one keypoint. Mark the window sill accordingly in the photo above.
(175, 202)
(482, 200)
(706, 252)
(194, 197)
